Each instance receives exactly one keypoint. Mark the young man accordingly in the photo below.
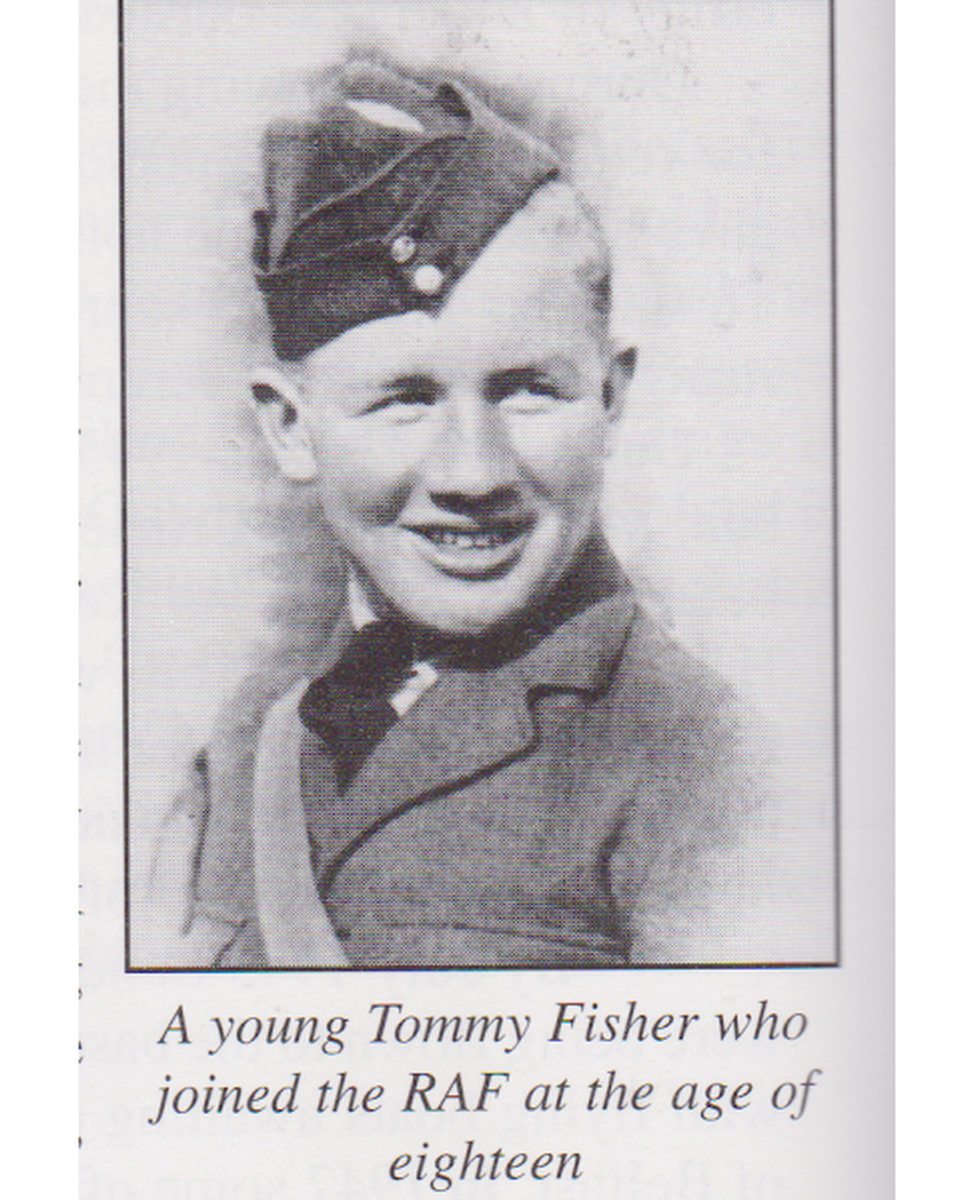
(500, 761)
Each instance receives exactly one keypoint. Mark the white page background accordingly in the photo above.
(40, 1095)
(741, 359)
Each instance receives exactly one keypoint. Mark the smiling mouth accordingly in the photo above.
(487, 539)
(483, 548)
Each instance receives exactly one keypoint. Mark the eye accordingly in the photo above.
(527, 390)
(403, 405)
(538, 396)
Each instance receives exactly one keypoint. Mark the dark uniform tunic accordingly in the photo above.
(556, 809)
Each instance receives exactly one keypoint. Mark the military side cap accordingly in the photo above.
(379, 202)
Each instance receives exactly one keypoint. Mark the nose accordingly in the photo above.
(473, 460)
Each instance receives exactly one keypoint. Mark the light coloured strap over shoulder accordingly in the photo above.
(294, 924)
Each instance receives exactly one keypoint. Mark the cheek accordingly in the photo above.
(361, 482)
(565, 460)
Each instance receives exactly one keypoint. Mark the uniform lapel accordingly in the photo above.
(467, 724)
(472, 723)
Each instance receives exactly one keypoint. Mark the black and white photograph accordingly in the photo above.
(479, 483)
(483, 427)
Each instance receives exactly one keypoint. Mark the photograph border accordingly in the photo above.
(835, 591)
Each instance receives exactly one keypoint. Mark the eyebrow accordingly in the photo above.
(498, 384)
(505, 383)
(410, 383)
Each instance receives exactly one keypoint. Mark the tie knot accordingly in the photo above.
(376, 661)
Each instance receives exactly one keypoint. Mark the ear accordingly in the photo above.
(276, 405)
(621, 372)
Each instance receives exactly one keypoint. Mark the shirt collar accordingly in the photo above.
(361, 611)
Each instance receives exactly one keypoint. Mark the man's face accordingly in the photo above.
(459, 456)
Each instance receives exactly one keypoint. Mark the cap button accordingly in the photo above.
(403, 248)
(428, 279)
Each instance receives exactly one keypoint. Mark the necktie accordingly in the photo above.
(349, 707)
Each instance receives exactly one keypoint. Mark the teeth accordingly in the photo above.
(487, 540)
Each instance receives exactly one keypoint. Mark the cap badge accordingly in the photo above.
(403, 248)
(428, 279)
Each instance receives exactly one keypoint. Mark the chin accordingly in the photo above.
(472, 615)
(462, 621)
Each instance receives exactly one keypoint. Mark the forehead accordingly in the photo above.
(528, 298)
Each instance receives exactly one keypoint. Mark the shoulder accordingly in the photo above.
(240, 718)
(672, 703)
(696, 772)
(223, 775)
